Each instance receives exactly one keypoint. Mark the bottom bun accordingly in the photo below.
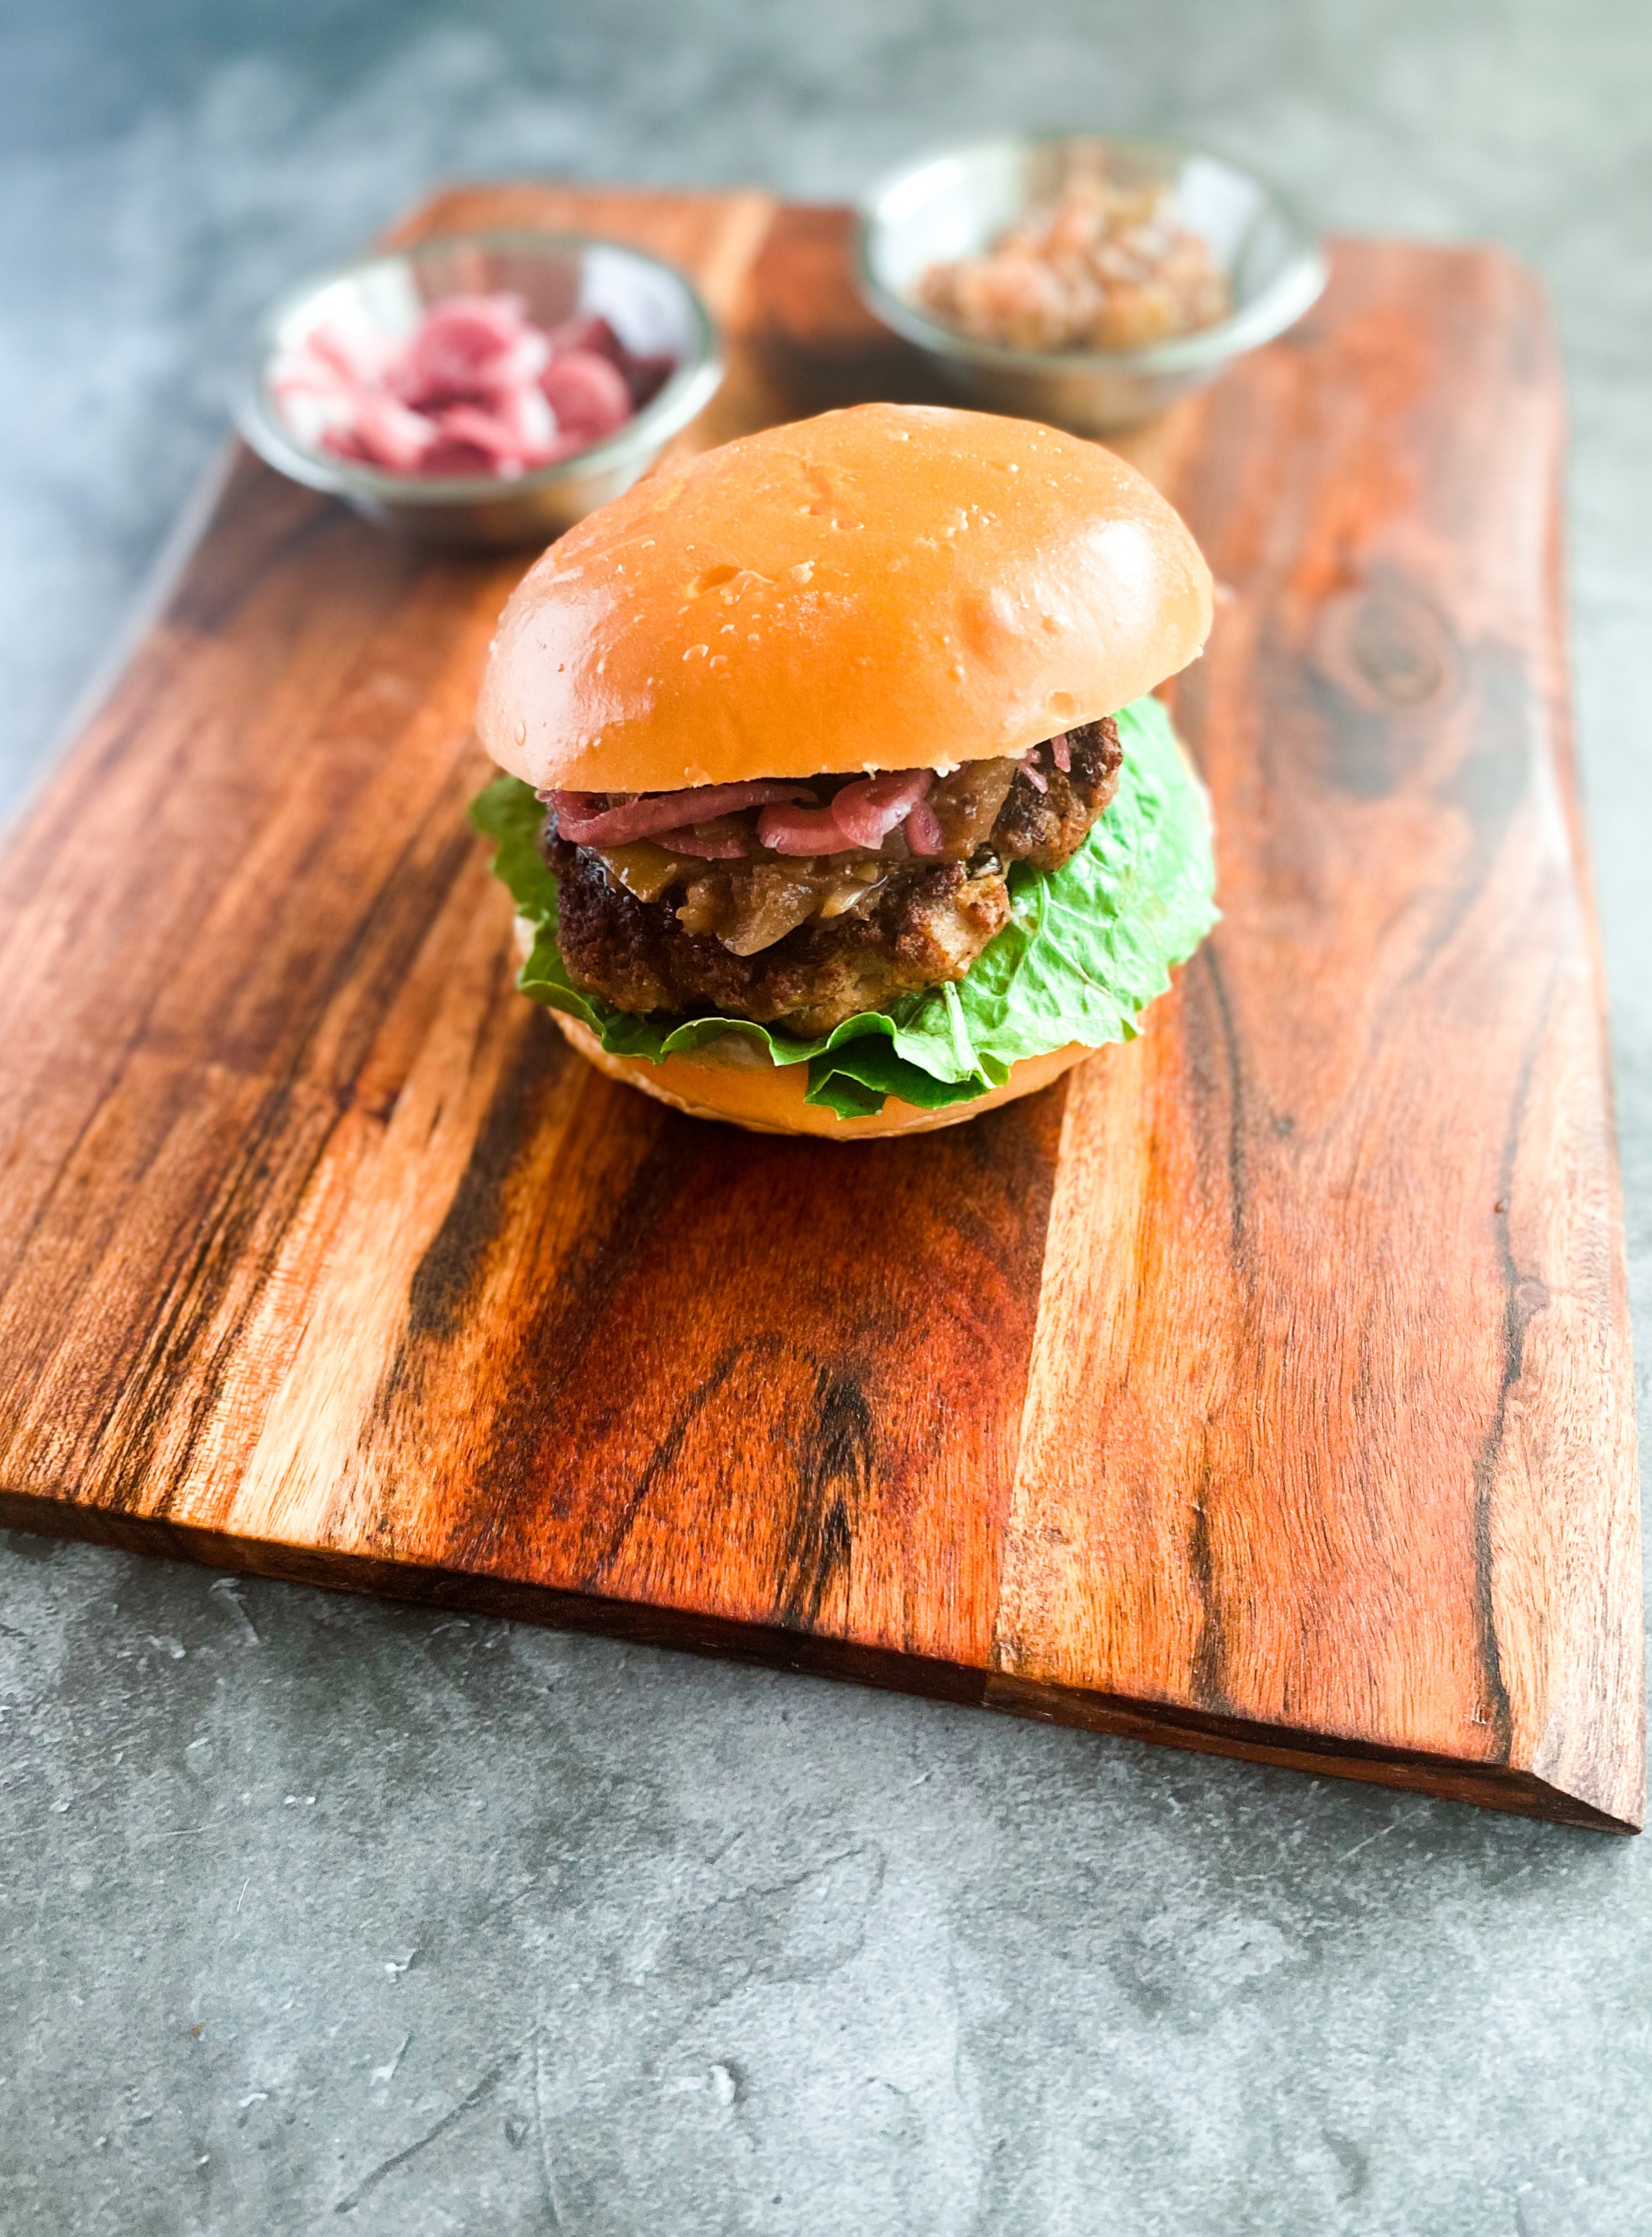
(743, 1088)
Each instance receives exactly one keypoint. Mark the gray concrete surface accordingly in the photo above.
(319, 1914)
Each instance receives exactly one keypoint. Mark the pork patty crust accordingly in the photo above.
(856, 931)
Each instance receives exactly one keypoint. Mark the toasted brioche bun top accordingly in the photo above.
(893, 587)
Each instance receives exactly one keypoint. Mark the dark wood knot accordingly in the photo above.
(1387, 648)
(1386, 667)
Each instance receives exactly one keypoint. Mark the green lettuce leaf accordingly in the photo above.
(1085, 949)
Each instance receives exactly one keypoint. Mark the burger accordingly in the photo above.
(835, 801)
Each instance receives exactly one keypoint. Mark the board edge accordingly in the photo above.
(1489, 1787)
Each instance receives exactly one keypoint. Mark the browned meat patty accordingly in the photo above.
(927, 925)
(856, 932)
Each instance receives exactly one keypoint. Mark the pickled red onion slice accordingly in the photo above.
(516, 433)
(645, 375)
(923, 832)
(802, 831)
(861, 815)
(869, 810)
(381, 433)
(348, 354)
(469, 349)
(587, 393)
(1061, 752)
(661, 811)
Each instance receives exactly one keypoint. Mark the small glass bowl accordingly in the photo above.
(651, 306)
(956, 203)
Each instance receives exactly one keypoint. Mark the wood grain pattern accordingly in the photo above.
(1264, 1388)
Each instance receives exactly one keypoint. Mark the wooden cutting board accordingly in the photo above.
(1262, 1387)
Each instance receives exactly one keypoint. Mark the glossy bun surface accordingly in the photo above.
(887, 587)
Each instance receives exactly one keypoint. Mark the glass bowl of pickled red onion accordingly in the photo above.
(485, 388)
